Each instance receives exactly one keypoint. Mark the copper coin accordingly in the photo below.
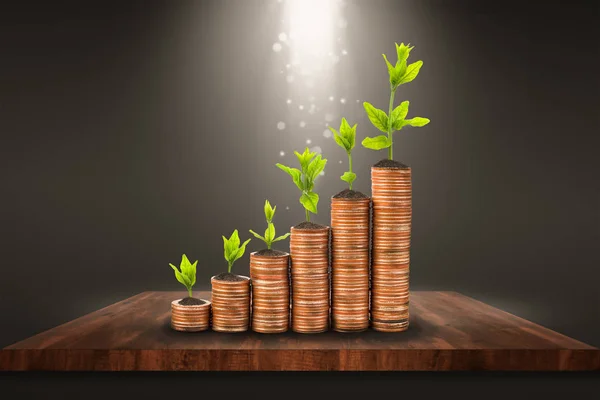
(194, 318)
(350, 241)
(270, 293)
(309, 253)
(230, 305)
(392, 220)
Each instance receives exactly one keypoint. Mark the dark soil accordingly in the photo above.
(309, 225)
(385, 163)
(226, 276)
(270, 253)
(191, 301)
(350, 195)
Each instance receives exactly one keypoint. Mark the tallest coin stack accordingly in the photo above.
(392, 214)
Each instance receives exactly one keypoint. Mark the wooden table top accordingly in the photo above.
(448, 331)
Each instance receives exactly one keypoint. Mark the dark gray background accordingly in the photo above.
(135, 131)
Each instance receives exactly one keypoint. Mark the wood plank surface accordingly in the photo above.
(448, 332)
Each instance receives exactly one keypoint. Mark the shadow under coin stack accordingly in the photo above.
(309, 252)
(392, 213)
(350, 264)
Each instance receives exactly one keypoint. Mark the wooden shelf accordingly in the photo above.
(448, 332)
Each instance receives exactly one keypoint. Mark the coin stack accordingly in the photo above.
(270, 293)
(392, 213)
(350, 264)
(192, 318)
(309, 252)
(230, 305)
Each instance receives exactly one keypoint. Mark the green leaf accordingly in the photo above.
(339, 139)
(192, 274)
(348, 134)
(403, 51)
(305, 157)
(376, 143)
(282, 237)
(181, 278)
(348, 177)
(378, 117)
(392, 71)
(240, 252)
(295, 173)
(269, 233)
(310, 201)
(256, 235)
(416, 122)
(316, 166)
(411, 72)
(399, 114)
(269, 211)
(184, 265)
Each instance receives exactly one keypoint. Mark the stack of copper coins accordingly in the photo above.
(270, 292)
(309, 252)
(192, 318)
(230, 305)
(392, 213)
(350, 264)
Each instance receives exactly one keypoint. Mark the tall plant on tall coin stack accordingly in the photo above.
(392, 203)
(309, 251)
(350, 216)
(231, 292)
(269, 271)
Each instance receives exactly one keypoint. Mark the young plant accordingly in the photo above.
(269, 237)
(345, 139)
(395, 119)
(311, 166)
(233, 250)
(187, 273)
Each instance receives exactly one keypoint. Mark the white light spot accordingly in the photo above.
(341, 161)
(288, 66)
(344, 52)
(300, 107)
(322, 173)
(302, 124)
(287, 207)
(358, 101)
(312, 109)
(317, 150)
(331, 98)
(329, 117)
(327, 133)
(311, 99)
(277, 47)
(289, 101)
(281, 125)
(290, 78)
(282, 37)
(343, 100)
(282, 153)
(308, 141)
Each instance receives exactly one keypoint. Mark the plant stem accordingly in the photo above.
(230, 264)
(391, 148)
(350, 166)
(307, 215)
(190, 292)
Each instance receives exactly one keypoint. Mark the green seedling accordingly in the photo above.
(186, 275)
(395, 119)
(269, 237)
(311, 166)
(233, 250)
(345, 138)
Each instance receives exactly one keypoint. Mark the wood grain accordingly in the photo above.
(448, 331)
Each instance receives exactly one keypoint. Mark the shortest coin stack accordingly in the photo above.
(230, 305)
(194, 318)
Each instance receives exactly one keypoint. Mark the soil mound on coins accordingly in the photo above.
(191, 301)
(270, 253)
(385, 163)
(350, 195)
(309, 225)
(227, 276)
